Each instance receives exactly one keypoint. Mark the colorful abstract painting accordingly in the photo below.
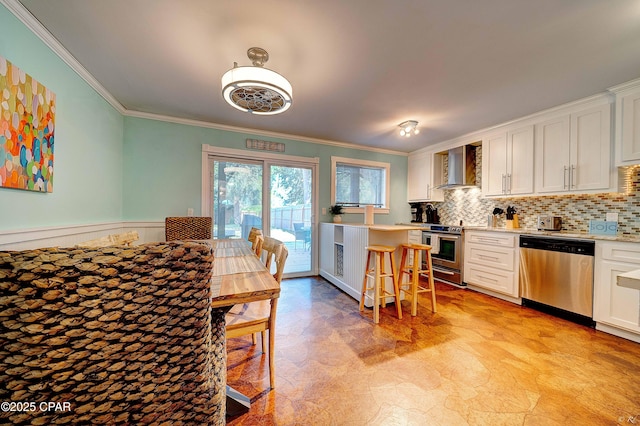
(27, 116)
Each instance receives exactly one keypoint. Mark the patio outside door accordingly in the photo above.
(275, 196)
(291, 214)
(237, 197)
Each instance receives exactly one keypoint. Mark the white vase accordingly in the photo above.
(337, 219)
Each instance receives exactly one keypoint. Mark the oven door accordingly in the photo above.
(449, 255)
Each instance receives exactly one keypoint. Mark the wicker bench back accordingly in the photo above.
(123, 334)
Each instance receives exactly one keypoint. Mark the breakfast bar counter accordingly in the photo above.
(343, 251)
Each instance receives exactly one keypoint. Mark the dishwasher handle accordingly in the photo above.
(562, 245)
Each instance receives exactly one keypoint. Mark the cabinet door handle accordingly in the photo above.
(488, 240)
(486, 278)
(508, 183)
(485, 257)
(504, 185)
(572, 177)
(564, 177)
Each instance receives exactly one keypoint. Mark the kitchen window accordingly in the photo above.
(358, 183)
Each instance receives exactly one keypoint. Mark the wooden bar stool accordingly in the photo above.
(377, 273)
(413, 272)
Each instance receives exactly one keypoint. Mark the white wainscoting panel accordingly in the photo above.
(70, 235)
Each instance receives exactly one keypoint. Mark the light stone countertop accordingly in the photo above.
(533, 231)
(559, 234)
(381, 227)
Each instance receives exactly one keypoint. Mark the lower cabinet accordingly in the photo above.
(343, 254)
(415, 237)
(616, 309)
(491, 262)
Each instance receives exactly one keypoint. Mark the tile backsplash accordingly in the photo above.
(468, 205)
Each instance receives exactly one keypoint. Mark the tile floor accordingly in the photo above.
(477, 361)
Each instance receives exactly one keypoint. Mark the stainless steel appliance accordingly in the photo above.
(549, 223)
(557, 273)
(461, 165)
(446, 253)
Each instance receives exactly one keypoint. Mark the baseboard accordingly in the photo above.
(618, 332)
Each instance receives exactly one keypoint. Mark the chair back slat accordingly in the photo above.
(280, 261)
(257, 240)
(271, 249)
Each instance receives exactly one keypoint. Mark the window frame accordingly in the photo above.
(361, 163)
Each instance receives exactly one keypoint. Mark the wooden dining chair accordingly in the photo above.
(271, 250)
(257, 245)
(187, 228)
(260, 316)
(256, 239)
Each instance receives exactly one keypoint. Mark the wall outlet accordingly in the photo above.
(612, 217)
(189, 212)
(324, 210)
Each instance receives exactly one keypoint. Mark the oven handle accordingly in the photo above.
(442, 235)
(443, 271)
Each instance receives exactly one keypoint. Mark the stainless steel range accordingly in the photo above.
(446, 253)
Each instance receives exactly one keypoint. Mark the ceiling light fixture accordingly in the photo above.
(409, 127)
(256, 89)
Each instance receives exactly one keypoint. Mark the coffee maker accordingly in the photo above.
(416, 212)
(431, 214)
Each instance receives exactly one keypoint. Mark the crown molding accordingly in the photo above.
(23, 14)
(258, 132)
(633, 84)
(476, 135)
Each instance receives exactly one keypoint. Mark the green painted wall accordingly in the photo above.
(163, 166)
(112, 168)
(88, 142)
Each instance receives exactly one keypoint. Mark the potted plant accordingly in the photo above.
(336, 211)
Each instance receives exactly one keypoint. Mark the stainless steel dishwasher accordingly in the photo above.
(557, 273)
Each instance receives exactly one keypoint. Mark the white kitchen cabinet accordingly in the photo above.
(491, 263)
(414, 237)
(420, 182)
(507, 162)
(573, 151)
(627, 123)
(616, 309)
(327, 248)
(343, 254)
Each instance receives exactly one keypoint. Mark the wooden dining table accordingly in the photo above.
(239, 276)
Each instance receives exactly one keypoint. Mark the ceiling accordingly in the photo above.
(358, 67)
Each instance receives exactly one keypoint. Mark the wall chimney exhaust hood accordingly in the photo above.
(461, 168)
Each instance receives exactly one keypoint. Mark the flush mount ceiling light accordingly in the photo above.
(256, 89)
(409, 127)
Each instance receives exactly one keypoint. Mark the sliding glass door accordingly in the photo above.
(291, 213)
(274, 194)
(237, 197)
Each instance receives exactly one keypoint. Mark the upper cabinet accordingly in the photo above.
(573, 151)
(627, 123)
(420, 181)
(507, 162)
